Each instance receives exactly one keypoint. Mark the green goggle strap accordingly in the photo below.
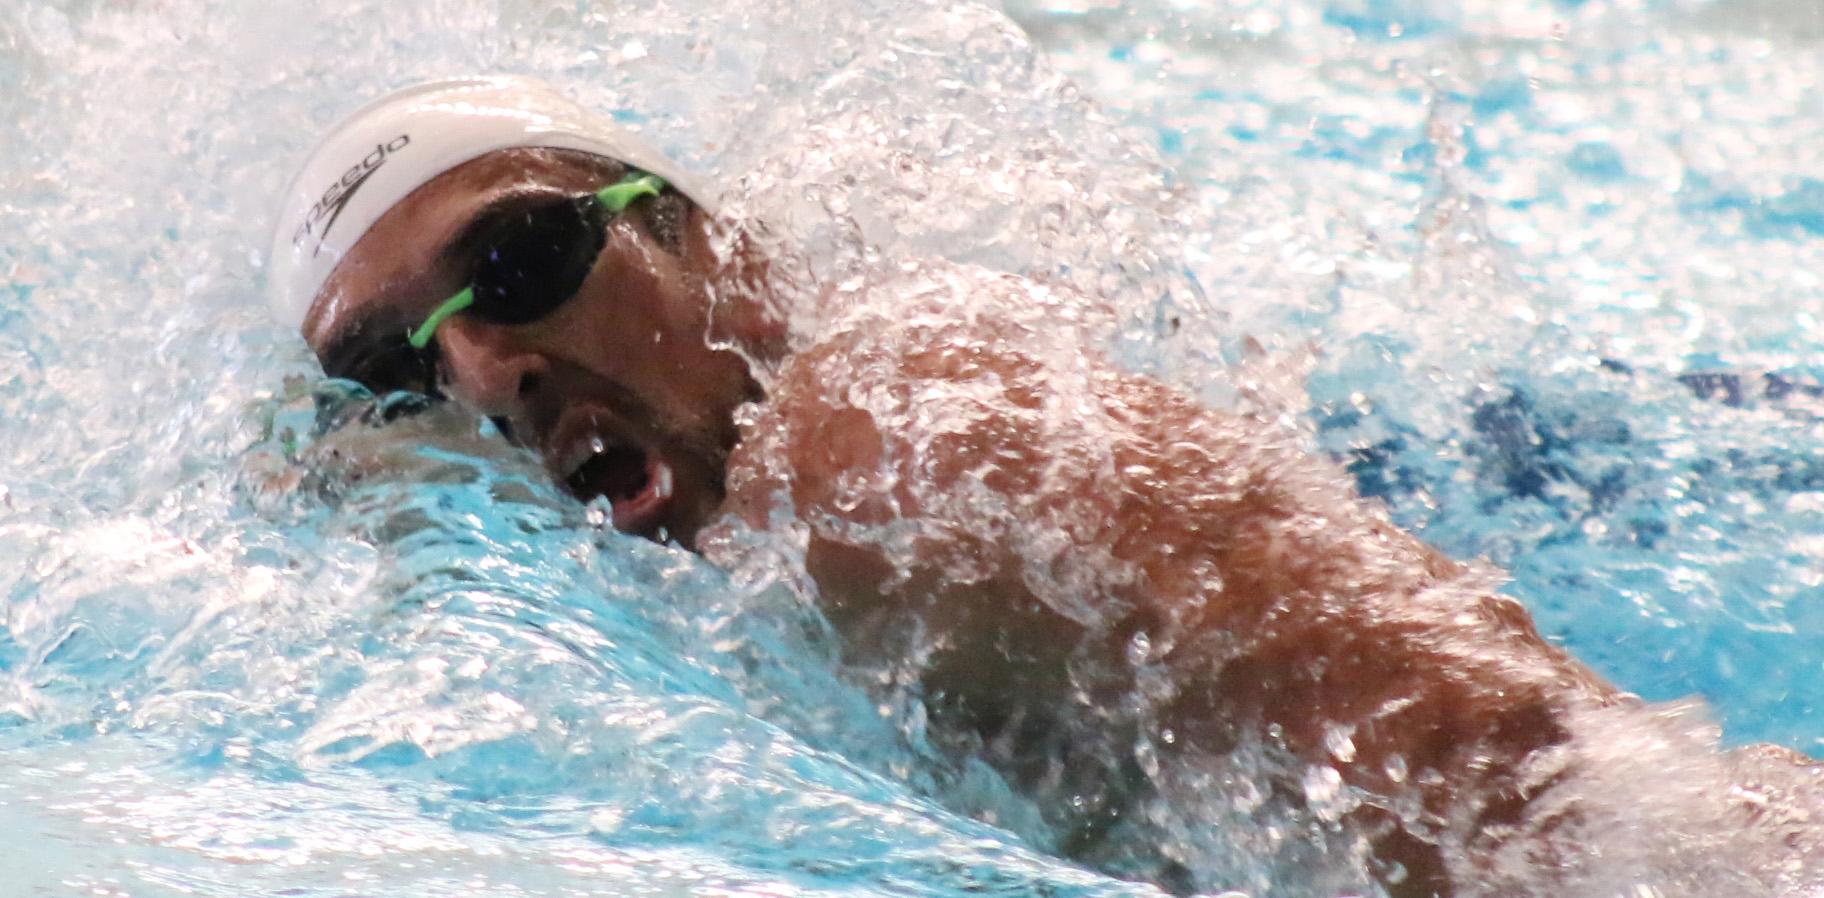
(615, 198)
(421, 337)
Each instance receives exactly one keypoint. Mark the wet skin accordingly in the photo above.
(1326, 614)
(616, 389)
(626, 361)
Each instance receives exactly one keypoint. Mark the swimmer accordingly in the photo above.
(1064, 523)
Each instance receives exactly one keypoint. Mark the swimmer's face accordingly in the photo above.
(616, 388)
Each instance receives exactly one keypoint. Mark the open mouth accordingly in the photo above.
(637, 483)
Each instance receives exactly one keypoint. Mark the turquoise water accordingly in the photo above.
(1543, 276)
(1562, 262)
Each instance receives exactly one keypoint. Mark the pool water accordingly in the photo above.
(1542, 276)
(1561, 260)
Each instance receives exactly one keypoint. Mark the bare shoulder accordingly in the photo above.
(1033, 508)
(956, 421)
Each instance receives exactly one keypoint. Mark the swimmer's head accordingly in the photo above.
(596, 357)
(385, 150)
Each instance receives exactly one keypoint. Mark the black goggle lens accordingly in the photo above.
(536, 260)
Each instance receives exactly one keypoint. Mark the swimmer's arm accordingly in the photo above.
(1292, 606)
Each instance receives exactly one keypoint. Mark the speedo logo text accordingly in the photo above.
(323, 214)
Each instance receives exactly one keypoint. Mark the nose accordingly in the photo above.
(489, 368)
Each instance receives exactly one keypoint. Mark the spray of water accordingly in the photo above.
(243, 627)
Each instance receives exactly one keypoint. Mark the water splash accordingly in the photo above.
(458, 673)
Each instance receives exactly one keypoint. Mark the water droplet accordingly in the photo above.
(1139, 648)
(599, 513)
(1339, 741)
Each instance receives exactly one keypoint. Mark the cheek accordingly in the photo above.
(640, 322)
(622, 327)
(650, 311)
(614, 315)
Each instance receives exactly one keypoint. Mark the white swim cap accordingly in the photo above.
(392, 146)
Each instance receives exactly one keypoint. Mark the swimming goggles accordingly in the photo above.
(534, 261)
